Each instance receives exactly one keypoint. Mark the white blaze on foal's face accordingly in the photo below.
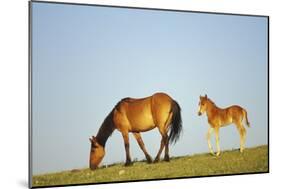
(202, 105)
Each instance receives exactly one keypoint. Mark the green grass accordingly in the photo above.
(229, 162)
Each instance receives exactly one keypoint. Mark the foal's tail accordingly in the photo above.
(176, 124)
(246, 117)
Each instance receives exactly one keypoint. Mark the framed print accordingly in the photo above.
(122, 94)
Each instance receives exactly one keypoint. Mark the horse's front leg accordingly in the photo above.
(127, 148)
(142, 146)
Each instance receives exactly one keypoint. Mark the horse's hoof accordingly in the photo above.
(128, 164)
(166, 158)
(217, 154)
(149, 159)
(156, 160)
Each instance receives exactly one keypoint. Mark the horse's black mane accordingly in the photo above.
(108, 126)
(106, 129)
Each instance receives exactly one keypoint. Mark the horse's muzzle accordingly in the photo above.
(93, 167)
(199, 113)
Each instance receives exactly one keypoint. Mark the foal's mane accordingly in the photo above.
(209, 100)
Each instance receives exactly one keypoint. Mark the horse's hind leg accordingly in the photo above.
(167, 157)
(137, 135)
(163, 122)
(125, 135)
(164, 142)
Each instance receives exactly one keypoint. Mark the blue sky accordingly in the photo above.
(86, 58)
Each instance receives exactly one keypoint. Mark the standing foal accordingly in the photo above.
(218, 117)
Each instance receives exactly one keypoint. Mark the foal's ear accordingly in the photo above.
(90, 140)
(206, 96)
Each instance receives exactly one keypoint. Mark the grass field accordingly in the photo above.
(229, 162)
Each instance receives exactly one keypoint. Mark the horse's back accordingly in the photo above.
(161, 108)
(161, 102)
(162, 97)
(139, 103)
(143, 114)
(134, 115)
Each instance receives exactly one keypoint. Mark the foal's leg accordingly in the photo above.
(244, 138)
(137, 135)
(127, 146)
(210, 130)
(217, 141)
(242, 133)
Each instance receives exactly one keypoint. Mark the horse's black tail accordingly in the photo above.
(176, 124)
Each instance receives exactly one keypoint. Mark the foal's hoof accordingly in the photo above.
(218, 153)
(212, 153)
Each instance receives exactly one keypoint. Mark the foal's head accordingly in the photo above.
(97, 153)
(202, 105)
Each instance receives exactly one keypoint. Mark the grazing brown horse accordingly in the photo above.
(135, 116)
(218, 117)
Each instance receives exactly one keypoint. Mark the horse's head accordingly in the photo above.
(202, 105)
(97, 153)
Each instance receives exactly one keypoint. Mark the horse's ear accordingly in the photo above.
(90, 140)
(206, 96)
(94, 140)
